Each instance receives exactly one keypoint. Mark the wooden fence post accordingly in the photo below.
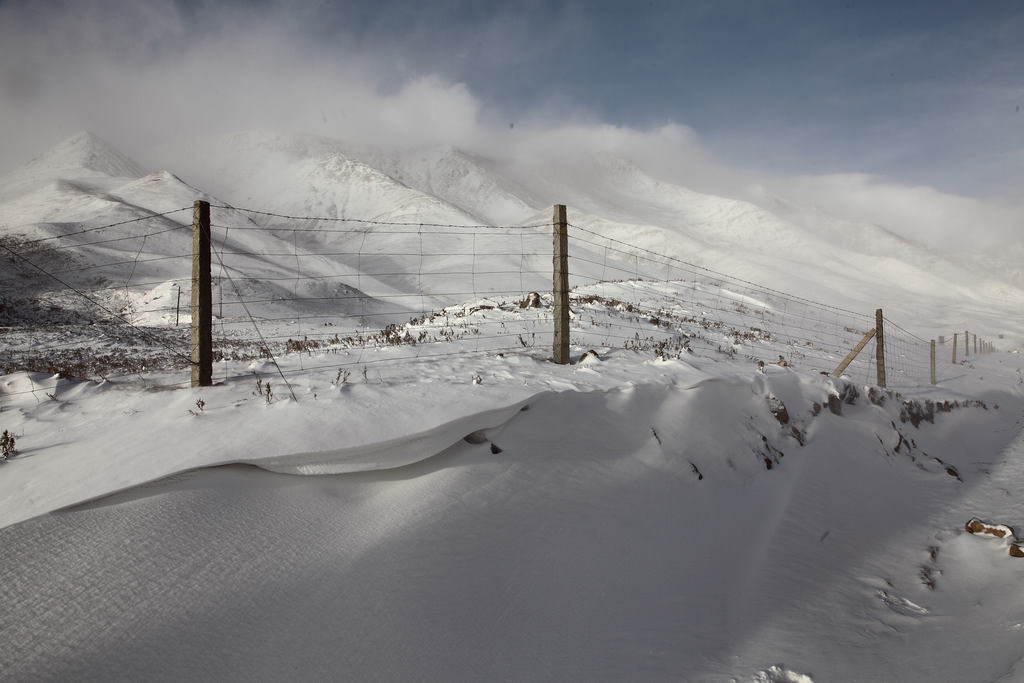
(954, 348)
(975, 344)
(561, 285)
(967, 343)
(202, 297)
(853, 354)
(933, 361)
(879, 348)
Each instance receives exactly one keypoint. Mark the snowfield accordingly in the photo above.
(675, 504)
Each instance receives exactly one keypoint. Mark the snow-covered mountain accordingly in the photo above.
(83, 158)
(804, 251)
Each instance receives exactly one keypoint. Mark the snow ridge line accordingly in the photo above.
(392, 453)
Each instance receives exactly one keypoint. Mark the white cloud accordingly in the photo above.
(154, 77)
(944, 222)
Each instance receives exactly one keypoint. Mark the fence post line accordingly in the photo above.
(879, 348)
(954, 348)
(561, 285)
(967, 343)
(201, 346)
(933, 361)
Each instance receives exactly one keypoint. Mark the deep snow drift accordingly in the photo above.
(675, 506)
(625, 518)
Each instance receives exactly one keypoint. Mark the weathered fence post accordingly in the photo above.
(954, 348)
(202, 297)
(879, 348)
(967, 343)
(975, 344)
(853, 354)
(561, 285)
(933, 361)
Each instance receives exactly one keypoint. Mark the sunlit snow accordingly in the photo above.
(693, 498)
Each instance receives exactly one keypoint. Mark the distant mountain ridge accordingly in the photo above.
(799, 250)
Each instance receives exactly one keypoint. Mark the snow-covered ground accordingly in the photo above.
(677, 505)
(620, 518)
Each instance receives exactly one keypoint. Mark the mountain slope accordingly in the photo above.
(83, 157)
(306, 176)
(627, 215)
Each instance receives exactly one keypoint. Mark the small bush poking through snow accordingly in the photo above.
(263, 389)
(7, 445)
(532, 300)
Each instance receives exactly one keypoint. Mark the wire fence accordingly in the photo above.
(907, 357)
(338, 295)
(342, 293)
(88, 300)
(699, 310)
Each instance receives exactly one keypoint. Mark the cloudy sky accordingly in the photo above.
(915, 94)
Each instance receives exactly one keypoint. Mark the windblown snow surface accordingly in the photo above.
(493, 516)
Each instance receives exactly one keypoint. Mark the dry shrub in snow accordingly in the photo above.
(532, 300)
(6, 445)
